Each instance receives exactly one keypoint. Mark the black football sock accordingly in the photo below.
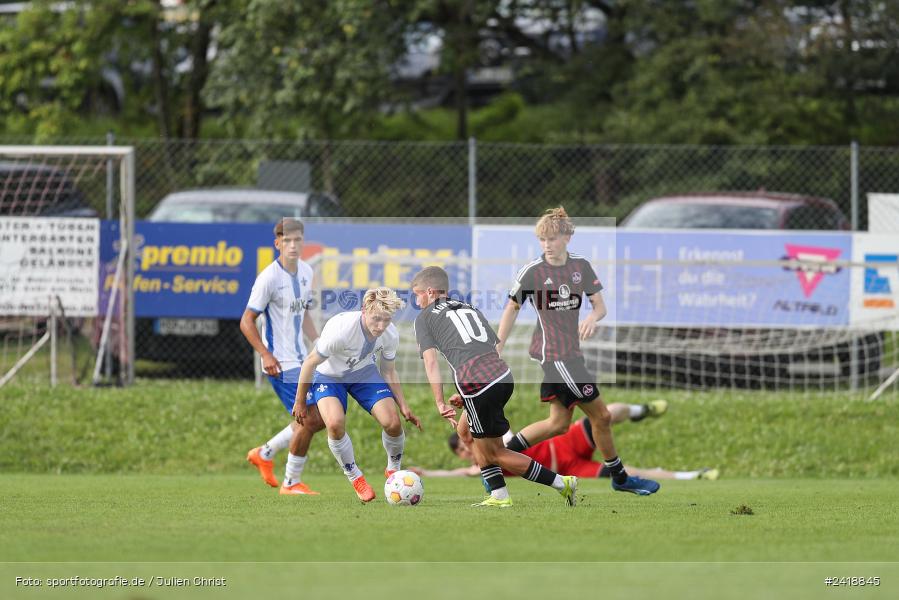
(616, 470)
(540, 474)
(493, 477)
(518, 443)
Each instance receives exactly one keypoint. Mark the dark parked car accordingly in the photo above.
(681, 355)
(738, 210)
(216, 346)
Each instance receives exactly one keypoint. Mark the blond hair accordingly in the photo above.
(382, 299)
(554, 222)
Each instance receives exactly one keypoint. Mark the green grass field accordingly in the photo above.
(151, 482)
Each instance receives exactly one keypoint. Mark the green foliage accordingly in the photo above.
(48, 61)
(656, 71)
(324, 62)
(739, 72)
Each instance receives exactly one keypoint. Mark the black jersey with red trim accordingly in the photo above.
(462, 334)
(557, 294)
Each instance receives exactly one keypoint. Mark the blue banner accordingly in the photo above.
(646, 287)
(813, 293)
(501, 251)
(342, 284)
(207, 270)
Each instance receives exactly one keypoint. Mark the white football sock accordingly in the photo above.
(558, 483)
(635, 411)
(277, 443)
(687, 474)
(293, 473)
(500, 494)
(394, 447)
(342, 450)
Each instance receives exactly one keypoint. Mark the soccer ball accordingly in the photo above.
(403, 488)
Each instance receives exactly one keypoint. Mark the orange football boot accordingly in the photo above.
(297, 489)
(266, 467)
(363, 490)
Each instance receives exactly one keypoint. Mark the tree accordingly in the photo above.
(322, 64)
(755, 72)
(52, 62)
(48, 62)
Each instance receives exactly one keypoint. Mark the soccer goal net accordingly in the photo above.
(66, 248)
(804, 322)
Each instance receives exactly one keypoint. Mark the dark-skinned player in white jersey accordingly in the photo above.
(464, 337)
(555, 283)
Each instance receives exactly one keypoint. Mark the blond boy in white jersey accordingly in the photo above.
(344, 361)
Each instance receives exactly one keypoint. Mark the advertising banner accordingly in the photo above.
(342, 284)
(42, 257)
(690, 278)
(500, 251)
(875, 288)
(200, 270)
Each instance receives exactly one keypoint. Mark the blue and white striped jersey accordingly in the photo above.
(283, 298)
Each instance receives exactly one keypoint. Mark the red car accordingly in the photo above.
(738, 210)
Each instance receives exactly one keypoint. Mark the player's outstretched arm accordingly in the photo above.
(510, 313)
(388, 372)
(270, 364)
(432, 368)
(306, 373)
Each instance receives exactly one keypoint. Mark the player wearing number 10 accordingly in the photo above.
(461, 333)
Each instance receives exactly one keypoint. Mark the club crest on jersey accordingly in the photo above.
(588, 390)
(564, 292)
(576, 277)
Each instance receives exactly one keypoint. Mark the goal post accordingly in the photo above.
(60, 238)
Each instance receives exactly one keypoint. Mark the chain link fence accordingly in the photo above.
(471, 180)
(411, 179)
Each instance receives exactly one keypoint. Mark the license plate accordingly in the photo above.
(187, 327)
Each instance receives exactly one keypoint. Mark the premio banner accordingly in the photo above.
(44, 257)
(204, 270)
(689, 278)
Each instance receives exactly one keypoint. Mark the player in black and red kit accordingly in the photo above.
(468, 343)
(555, 284)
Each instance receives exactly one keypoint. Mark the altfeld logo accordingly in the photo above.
(811, 264)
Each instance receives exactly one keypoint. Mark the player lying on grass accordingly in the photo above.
(571, 452)
(462, 335)
(555, 283)
(282, 291)
(343, 362)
